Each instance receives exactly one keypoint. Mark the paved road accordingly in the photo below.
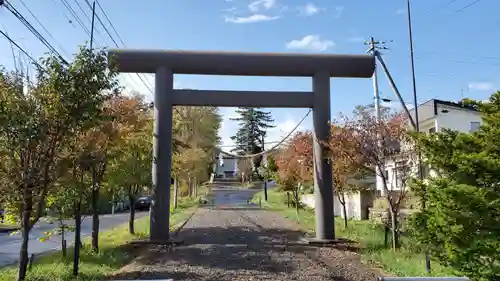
(231, 240)
(232, 196)
(10, 245)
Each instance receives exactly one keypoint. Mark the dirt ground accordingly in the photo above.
(245, 244)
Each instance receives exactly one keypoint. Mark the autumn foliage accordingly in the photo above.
(295, 160)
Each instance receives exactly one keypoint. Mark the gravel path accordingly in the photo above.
(244, 244)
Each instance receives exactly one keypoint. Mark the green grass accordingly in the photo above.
(115, 252)
(368, 234)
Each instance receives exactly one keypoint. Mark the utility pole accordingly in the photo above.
(376, 93)
(264, 161)
(373, 50)
(417, 125)
(92, 26)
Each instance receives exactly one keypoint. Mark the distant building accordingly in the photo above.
(226, 167)
(434, 116)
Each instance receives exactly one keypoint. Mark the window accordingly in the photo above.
(401, 174)
(432, 130)
(474, 126)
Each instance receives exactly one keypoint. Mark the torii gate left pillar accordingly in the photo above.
(165, 63)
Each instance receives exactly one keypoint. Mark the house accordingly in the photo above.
(226, 167)
(434, 116)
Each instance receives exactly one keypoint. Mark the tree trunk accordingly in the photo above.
(195, 187)
(95, 213)
(176, 193)
(63, 240)
(131, 220)
(344, 208)
(25, 229)
(296, 195)
(394, 230)
(190, 187)
(344, 211)
(78, 242)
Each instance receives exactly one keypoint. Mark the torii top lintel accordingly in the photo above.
(239, 63)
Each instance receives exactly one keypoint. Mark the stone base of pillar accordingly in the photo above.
(169, 242)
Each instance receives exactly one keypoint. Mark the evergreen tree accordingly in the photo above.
(253, 125)
(460, 224)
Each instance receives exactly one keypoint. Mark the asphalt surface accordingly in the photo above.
(231, 240)
(10, 245)
(229, 196)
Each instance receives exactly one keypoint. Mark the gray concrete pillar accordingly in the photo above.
(162, 155)
(323, 190)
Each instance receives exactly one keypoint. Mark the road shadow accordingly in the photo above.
(241, 249)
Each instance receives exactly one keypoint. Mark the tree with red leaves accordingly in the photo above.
(347, 164)
(295, 162)
(378, 142)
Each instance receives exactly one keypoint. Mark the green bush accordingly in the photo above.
(460, 224)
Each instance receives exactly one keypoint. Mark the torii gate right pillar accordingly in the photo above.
(323, 189)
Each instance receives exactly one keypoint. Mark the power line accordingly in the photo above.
(21, 49)
(69, 20)
(103, 25)
(110, 23)
(88, 17)
(442, 7)
(114, 41)
(44, 28)
(464, 8)
(270, 149)
(77, 18)
(33, 30)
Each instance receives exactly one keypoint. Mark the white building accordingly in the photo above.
(434, 116)
(227, 167)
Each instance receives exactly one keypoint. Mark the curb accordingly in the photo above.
(176, 231)
(7, 230)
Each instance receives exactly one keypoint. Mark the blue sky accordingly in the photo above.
(456, 42)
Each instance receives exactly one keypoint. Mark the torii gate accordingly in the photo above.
(165, 63)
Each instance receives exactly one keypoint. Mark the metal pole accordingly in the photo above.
(417, 125)
(264, 158)
(92, 26)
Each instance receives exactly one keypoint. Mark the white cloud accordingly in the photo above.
(400, 12)
(481, 86)
(283, 128)
(259, 5)
(310, 42)
(310, 9)
(231, 10)
(250, 19)
(339, 10)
